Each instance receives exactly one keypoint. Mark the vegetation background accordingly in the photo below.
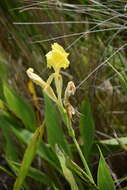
(94, 33)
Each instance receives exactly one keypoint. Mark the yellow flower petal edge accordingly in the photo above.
(57, 58)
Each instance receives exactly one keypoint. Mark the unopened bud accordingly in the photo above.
(70, 90)
(45, 86)
(35, 78)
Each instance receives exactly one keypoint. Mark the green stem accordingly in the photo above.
(72, 133)
(82, 158)
(58, 83)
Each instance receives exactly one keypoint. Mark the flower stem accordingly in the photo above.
(72, 134)
(83, 159)
(58, 83)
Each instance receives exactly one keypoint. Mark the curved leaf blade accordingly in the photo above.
(87, 128)
(28, 158)
(104, 178)
(54, 129)
(20, 108)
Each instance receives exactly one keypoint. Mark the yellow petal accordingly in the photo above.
(57, 58)
(59, 48)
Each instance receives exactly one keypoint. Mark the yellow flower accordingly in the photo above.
(57, 58)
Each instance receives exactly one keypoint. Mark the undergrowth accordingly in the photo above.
(43, 145)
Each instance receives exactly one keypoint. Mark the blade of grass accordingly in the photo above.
(6, 171)
(28, 158)
(114, 141)
(121, 77)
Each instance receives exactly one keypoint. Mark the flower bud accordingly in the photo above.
(70, 90)
(35, 78)
(46, 87)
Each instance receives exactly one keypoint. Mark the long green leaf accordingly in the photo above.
(20, 107)
(10, 149)
(104, 178)
(66, 171)
(27, 159)
(80, 172)
(44, 151)
(33, 173)
(54, 129)
(24, 136)
(6, 171)
(87, 128)
(114, 141)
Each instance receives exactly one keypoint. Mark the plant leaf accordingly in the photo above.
(6, 171)
(24, 136)
(11, 151)
(54, 129)
(21, 108)
(28, 158)
(33, 173)
(104, 178)
(114, 141)
(87, 128)
(66, 171)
